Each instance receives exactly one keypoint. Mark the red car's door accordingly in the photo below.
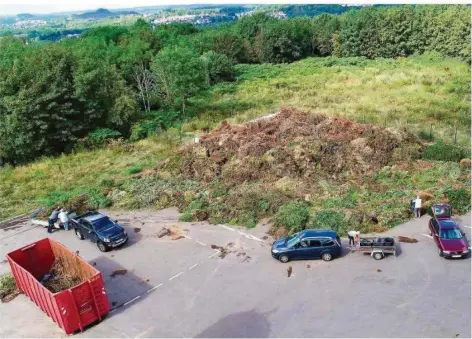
(434, 227)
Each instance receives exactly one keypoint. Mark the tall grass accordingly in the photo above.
(423, 92)
(426, 93)
(51, 180)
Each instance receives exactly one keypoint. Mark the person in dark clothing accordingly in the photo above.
(53, 218)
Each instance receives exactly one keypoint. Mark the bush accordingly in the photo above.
(459, 199)
(425, 135)
(445, 152)
(329, 219)
(135, 169)
(7, 283)
(293, 216)
(154, 122)
(99, 137)
(8, 288)
(186, 217)
(218, 68)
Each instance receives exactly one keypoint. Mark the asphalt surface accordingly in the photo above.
(182, 288)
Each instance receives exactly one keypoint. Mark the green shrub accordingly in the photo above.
(135, 169)
(424, 135)
(99, 137)
(97, 200)
(293, 216)
(329, 219)
(445, 152)
(186, 217)
(218, 67)
(459, 199)
(7, 284)
(154, 122)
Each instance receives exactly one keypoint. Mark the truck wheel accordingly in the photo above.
(440, 252)
(79, 234)
(102, 247)
(284, 258)
(326, 256)
(378, 256)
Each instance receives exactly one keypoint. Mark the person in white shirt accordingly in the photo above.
(352, 235)
(63, 219)
(418, 207)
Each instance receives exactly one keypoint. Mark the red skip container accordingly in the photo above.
(71, 309)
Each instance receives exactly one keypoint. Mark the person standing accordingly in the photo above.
(63, 219)
(52, 219)
(351, 235)
(418, 207)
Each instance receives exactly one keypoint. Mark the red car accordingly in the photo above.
(447, 235)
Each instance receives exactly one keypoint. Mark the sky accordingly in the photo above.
(11, 7)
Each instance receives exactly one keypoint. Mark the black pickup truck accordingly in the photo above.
(99, 229)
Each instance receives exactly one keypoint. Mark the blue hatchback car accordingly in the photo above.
(308, 244)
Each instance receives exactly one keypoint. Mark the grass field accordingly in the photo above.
(52, 180)
(423, 92)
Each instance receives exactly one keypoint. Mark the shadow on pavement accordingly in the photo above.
(123, 287)
(249, 324)
(398, 249)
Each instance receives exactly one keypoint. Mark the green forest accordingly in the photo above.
(56, 97)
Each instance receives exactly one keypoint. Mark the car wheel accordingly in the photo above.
(440, 252)
(327, 257)
(284, 258)
(378, 256)
(102, 247)
(79, 234)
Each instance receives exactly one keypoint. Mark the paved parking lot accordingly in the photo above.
(183, 288)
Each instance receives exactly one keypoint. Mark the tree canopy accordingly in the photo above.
(54, 94)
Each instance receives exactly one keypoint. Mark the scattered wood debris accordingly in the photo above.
(224, 251)
(163, 232)
(174, 232)
(407, 240)
(59, 278)
(118, 272)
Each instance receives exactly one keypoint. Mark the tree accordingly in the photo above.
(218, 67)
(41, 105)
(323, 28)
(179, 74)
(146, 85)
(285, 41)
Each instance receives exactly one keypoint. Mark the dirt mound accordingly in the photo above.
(295, 144)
